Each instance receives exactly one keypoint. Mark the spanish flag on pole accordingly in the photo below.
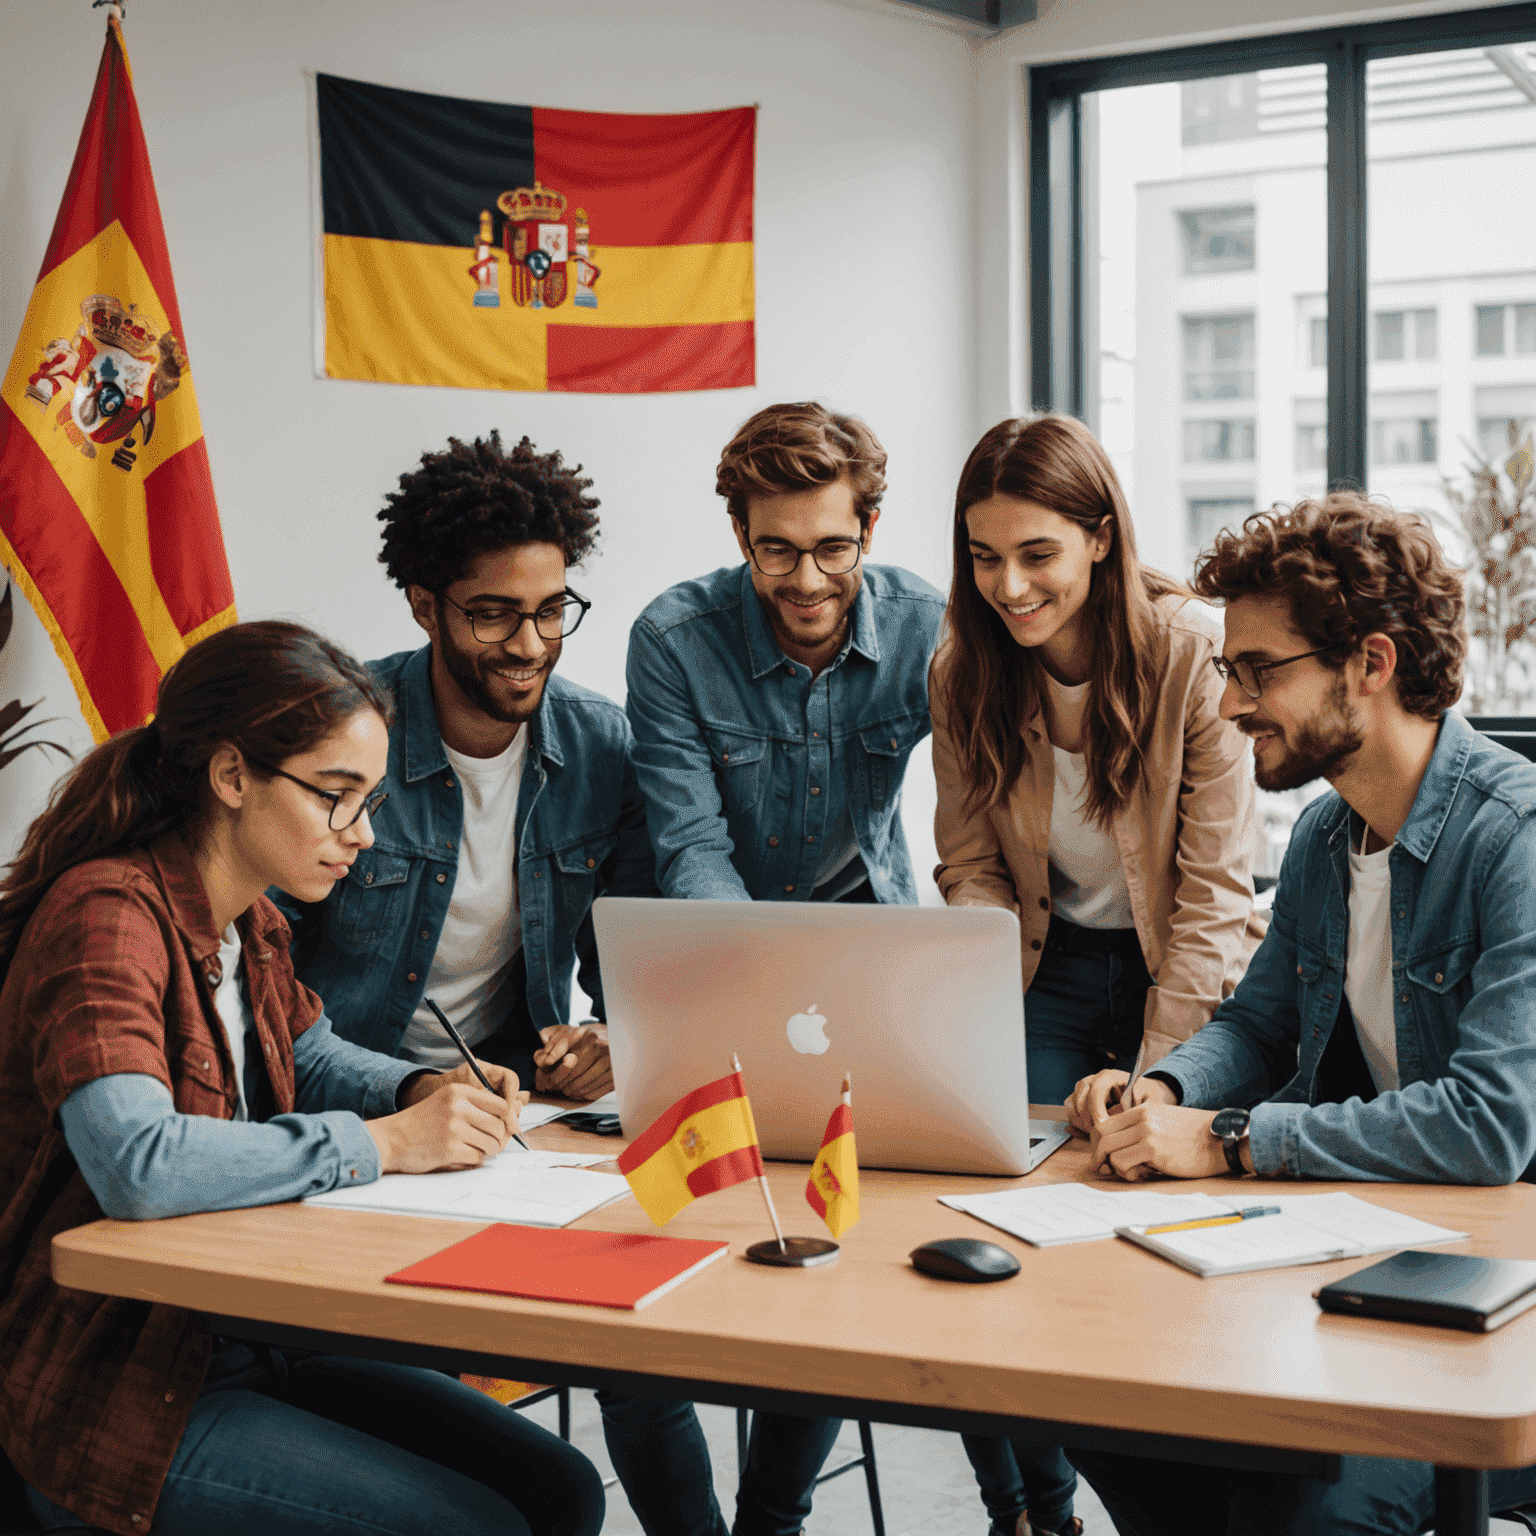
(705, 1142)
(107, 516)
(833, 1187)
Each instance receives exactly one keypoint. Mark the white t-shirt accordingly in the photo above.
(483, 931)
(1368, 964)
(1087, 875)
(230, 1005)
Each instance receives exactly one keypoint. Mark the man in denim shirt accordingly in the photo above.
(1388, 1020)
(775, 703)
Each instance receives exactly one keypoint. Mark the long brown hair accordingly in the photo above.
(271, 689)
(990, 685)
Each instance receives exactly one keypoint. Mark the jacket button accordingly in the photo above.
(773, 842)
(441, 879)
(1034, 943)
(269, 1047)
(213, 978)
(1439, 977)
(591, 863)
(893, 741)
(1298, 970)
(448, 843)
(448, 780)
(810, 839)
(1045, 903)
(725, 757)
(425, 933)
(263, 954)
(1403, 998)
(814, 790)
(170, 1397)
(207, 1065)
(410, 975)
(538, 874)
(789, 890)
(368, 878)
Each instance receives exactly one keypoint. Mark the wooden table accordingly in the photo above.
(1096, 1345)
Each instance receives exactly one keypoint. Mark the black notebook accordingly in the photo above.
(1452, 1290)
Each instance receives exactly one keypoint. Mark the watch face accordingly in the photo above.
(1230, 1122)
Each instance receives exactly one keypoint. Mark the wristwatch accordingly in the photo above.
(1230, 1127)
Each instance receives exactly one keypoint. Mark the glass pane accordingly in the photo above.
(1451, 135)
(1206, 319)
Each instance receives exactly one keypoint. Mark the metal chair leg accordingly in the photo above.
(876, 1511)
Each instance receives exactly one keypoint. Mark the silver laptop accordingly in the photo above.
(921, 1004)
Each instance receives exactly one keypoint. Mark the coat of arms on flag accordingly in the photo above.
(107, 516)
(493, 246)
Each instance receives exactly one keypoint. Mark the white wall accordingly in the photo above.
(865, 255)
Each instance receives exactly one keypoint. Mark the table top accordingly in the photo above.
(1101, 1333)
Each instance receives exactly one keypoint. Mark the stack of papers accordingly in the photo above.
(1310, 1229)
(535, 1189)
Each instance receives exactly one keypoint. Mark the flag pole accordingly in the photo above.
(848, 1089)
(762, 1178)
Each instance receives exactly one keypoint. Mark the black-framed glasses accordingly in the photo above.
(337, 800)
(1249, 675)
(833, 557)
(554, 621)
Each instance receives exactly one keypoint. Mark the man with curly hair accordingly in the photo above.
(1386, 1027)
(512, 796)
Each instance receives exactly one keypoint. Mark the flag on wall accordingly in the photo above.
(489, 246)
(706, 1141)
(107, 516)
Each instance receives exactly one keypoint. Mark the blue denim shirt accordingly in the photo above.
(1463, 921)
(368, 947)
(748, 763)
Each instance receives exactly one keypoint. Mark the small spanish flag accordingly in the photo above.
(706, 1141)
(833, 1187)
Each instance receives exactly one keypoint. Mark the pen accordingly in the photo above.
(1124, 1095)
(1217, 1221)
(474, 1066)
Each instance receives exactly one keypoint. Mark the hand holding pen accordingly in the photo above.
(474, 1066)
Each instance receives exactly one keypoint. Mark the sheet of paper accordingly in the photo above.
(1372, 1228)
(1076, 1213)
(547, 1189)
(535, 1115)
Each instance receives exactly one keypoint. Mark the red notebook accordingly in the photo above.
(603, 1269)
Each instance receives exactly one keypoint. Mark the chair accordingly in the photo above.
(866, 1460)
(1517, 732)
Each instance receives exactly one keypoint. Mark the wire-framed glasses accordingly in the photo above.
(833, 557)
(492, 625)
(1249, 675)
(340, 802)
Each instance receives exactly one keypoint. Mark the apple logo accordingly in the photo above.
(807, 1032)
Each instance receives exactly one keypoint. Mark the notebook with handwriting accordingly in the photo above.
(601, 1269)
(1310, 1229)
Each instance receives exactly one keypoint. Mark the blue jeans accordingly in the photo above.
(1373, 1497)
(1082, 1013)
(1084, 1009)
(659, 1452)
(330, 1447)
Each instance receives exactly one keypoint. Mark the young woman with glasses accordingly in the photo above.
(158, 1058)
(1086, 782)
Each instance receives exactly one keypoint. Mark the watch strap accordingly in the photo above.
(1233, 1147)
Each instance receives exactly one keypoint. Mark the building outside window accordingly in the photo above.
(1311, 437)
(1218, 239)
(1218, 357)
(1318, 333)
(1405, 333)
(1405, 440)
(1208, 515)
(1503, 328)
(1220, 109)
(1206, 440)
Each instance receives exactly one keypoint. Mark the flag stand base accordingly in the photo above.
(797, 1252)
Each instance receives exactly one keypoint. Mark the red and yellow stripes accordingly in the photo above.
(118, 548)
(833, 1187)
(704, 1142)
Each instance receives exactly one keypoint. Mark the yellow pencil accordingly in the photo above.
(1216, 1221)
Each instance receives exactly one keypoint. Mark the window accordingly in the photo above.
(1225, 108)
(1206, 440)
(1218, 239)
(1405, 333)
(1490, 330)
(1404, 440)
(1498, 408)
(1218, 357)
(1208, 515)
(1319, 337)
(1311, 437)
(1525, 327)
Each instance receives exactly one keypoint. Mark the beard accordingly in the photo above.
(468, 671)
(1319, 747)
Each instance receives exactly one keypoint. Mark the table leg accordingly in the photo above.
(1461, 1502)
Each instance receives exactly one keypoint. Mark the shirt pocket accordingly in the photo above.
(740, 764)
(576, 870)
(1440, 985)
(1317, 998)
(371, 899)
(885, 752)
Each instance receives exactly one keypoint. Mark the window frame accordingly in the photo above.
(1060, 278)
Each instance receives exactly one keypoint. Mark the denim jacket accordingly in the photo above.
(368, 947)
(1463, 922)
(747, 763)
